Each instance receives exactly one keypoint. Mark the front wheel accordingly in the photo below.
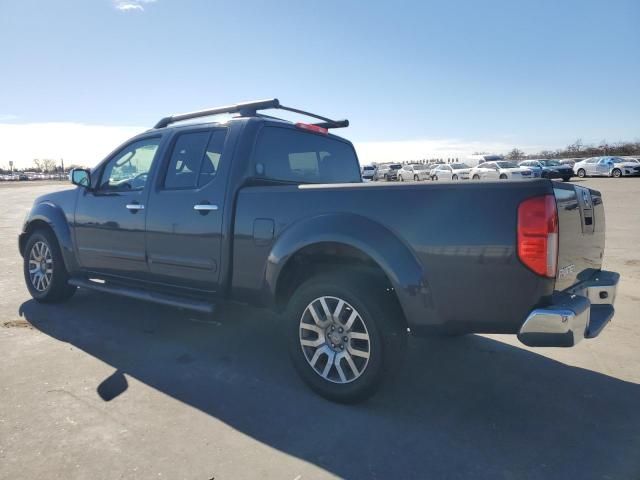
(581, 173)
(476, 177)
(503, 177)
(566, 179)
(617, 173)
(455, 177)
(44, 271)
(415, 178)
(343, 333)
(400, 178)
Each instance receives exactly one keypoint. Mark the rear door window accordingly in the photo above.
(194, 159)
(291, 155)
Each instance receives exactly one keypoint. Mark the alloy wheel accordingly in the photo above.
(334, 340)
(40, 266)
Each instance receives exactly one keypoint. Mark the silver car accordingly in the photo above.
(415, 172)
(606, 167)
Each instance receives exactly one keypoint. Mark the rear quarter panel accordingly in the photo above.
(462, 234)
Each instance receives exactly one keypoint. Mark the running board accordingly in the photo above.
(146, 295)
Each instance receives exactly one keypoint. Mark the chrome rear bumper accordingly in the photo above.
(581, 312)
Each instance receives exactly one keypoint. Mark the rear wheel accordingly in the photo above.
(343, 333)
(400, 178)
(455, 177)
(476, 177)
(44, 271)
(503, 177)
(415, 178)
(566, 179)
(617, 173)
(581, 173)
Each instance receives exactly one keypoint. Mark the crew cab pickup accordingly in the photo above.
(260, 210)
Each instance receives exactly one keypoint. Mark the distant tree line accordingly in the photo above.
(579, 150)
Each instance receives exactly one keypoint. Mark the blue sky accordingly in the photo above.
(413, 76)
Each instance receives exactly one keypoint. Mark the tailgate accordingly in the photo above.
(581, 233)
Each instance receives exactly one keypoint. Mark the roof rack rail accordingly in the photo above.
(250, 109)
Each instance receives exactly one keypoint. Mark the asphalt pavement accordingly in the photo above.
(104, 387)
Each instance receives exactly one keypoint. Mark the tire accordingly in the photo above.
(581, 173)
(435, 178)
(476, 177)
(503, 177)
(455, 177)
(416, 178)
(355, 378)
(400, 178)
(617, 173)
(49, 283)
(386, 178)
(566, 179)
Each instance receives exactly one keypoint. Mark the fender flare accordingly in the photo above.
(52, 215)
(383, 246)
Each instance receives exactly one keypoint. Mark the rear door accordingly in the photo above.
(184, 216)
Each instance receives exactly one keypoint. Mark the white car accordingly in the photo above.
(415, 172)
(606, 166)
(500, 170)
(453, 171)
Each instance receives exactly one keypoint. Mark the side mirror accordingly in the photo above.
(80, 177)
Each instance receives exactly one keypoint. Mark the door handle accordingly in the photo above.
(204, 207)
(134, 207)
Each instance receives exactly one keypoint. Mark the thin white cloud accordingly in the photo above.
(131, 5)
(6, 117)
(398, 151)
(88, 144)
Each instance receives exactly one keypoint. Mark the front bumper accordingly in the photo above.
(581, 312)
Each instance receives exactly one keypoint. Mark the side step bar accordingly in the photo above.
(140, 294)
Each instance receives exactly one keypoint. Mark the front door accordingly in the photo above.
(184, 218)
(603, 166)
(110, 218)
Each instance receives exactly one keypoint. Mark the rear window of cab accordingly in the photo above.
(291, 155)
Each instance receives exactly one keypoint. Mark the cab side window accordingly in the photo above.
(129, 169)
(194, 160)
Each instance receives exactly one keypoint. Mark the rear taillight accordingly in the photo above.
(538, 234)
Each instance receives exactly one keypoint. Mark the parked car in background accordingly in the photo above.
(500, 170)
(381, 171)
(568, 161)
(432, 169)
(392, 173)
(549, 169)
(453, 171)
(415, 172)
(606, 167)
(369, 172)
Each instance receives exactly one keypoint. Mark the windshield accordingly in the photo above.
(420, 167)
(507, 165)
(458, 166)
(550, 163)
(369, 168)
(395, 166)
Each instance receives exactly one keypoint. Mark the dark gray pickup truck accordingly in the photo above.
(260, 210)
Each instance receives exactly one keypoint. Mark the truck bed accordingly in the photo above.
(463, 235)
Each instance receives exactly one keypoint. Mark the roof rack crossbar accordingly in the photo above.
(250, 109)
